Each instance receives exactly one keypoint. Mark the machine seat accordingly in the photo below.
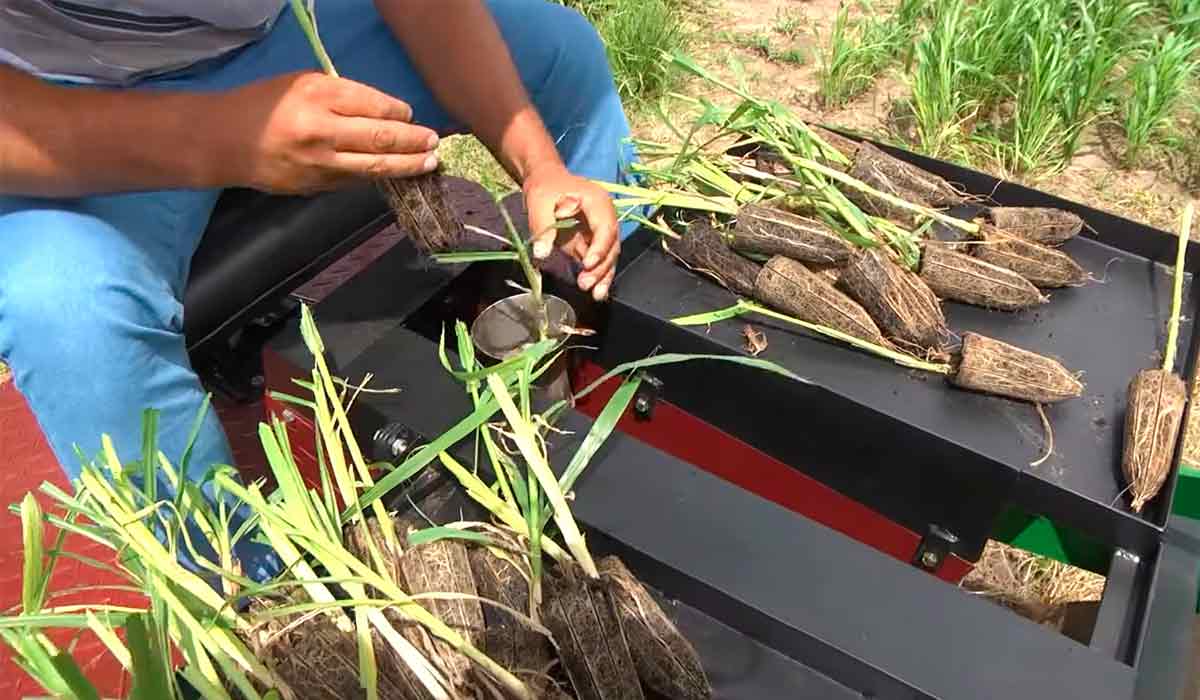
(260, 247)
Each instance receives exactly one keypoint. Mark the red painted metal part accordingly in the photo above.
(682, 435)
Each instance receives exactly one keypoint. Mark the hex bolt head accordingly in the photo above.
(930, 559)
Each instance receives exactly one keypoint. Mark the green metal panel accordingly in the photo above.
(1187, 497)
(1037, 534)
(1187, 493)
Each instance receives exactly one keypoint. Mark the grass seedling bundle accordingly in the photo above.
(1157, 400)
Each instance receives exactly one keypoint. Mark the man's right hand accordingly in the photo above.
(308, 132)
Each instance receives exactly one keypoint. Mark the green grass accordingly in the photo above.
(635, 34)
(1036, 123)
(795, 55)
(1017, 82)
(940, 101)
(789, 22)
(1183, 16)
(850, 65)
(758, 42)
(1159, 81)
(1103, 33)
(1033, 138)
(859, 50)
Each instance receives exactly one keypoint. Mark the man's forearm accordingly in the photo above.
(62, 142)
(448, 41)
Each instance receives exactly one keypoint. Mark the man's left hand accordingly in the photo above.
(552, 194)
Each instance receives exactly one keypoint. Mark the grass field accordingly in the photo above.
(1095, 100)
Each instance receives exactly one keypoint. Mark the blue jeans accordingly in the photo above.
(91, 318)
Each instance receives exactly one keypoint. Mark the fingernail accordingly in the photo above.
(541, 250)
(432, 142)
(586, 282)
(431, 163)
(568, 207)
(591, 261)
(601, 292)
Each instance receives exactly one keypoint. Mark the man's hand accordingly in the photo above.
(457, 47)
(308, 132)
(552, 194)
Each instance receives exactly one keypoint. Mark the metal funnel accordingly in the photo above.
(509, 325)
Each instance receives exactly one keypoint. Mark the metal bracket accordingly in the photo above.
(934, 548)
(647, 397)
(234, 368)
(393, 442)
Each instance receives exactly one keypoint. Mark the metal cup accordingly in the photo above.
(508, 326)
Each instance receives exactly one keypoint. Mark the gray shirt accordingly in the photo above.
(116, 42)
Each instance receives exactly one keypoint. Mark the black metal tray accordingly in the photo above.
(909, 444)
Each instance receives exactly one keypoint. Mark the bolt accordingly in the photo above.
(399, 446)
(642, 405)
(930, 559)
(258, 381)
(288, 415)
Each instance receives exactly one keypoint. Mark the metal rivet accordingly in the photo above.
(930, 559)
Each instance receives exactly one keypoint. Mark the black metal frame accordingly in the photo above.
(779, 606)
